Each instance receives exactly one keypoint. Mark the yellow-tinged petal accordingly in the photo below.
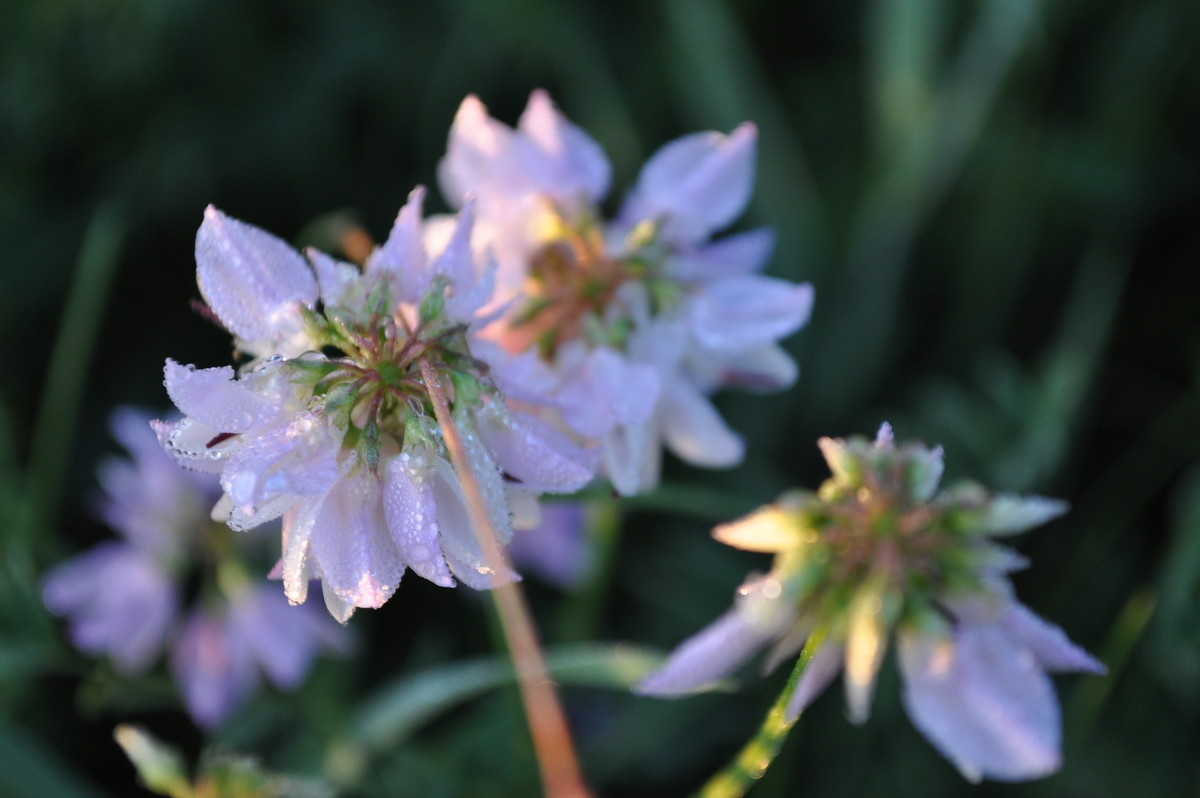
(768, 529)
(866, 641)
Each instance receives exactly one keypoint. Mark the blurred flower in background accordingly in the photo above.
(639, 319)
(878, 549)
(125, 599)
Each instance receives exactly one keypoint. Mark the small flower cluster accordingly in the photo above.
(629, 325)
(878, 549)
(561, 343)
(123, 598)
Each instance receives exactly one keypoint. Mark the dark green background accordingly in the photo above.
(996, 202)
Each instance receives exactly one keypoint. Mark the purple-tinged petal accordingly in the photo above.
(252, 280)
(460, 543)
(215, 398)
(119, 602)
(609, 390)
(1049, 643)
(764, 370)
(630, 458)
(984, 702)
(195, 446)
(298, 458)
(412, 514)
(479, 156)
(694, 430)
(296, 565)
(707, 657)
(731, 256)
(533, 453)
(283, 639)
(697, 184)
(213, 672)
(402, 256)
(826, 662)
(569, 163)
(923, 472)
(740, 313)
(350, 540)
(340, 282)
(556, 549)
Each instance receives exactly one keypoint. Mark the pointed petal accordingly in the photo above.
(337, 279)
(707, 657)
(740, 313)
(738, 254)
(570, 162)
(1049, 643)
(695, 431)
(195, 446)
(298, 458)
(1008, 514)
(213, 674)
(252, 280)
(763, 370)
(983, 702)
(350, 540)
(402, 256)
(866, 642)
(532, 453)
(609, 390)
(215, 398)
(824, 665)
(479, 155)
(700, 183)
(923, 471)
(412, 515)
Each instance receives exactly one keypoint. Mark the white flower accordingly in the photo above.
(639, 319)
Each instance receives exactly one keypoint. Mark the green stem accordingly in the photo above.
(756, 756)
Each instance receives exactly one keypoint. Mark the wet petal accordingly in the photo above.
(531, 452)
(298, 458)
(215, 398)
(402, 256)
(195, 446)
(350, 541)
(252, 280)
(740, 313)
(983, 702)
(412, 515)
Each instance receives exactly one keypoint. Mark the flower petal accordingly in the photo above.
(350, 541)
(252, 280)
(298, 458)
(1008, 514)
(195, 446)
(1049, 643)
(533, 453)
(215, 398)
(740, 313)
(742, 253)
(412, 515)
(982, 701)
(707, 657)
(569, 162)
(402, 256)
(694, 430)
(699, 183)
(213, 672)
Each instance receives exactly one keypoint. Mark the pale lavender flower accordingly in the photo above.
(221, 650)
(344, 447)
(640, 319)
(122, 598)
(877, 549)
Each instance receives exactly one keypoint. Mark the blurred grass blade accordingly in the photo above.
(29, 769)
(397, 711)
(69, 361)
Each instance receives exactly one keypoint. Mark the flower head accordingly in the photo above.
(879, 550)
(636, 321)
(331, 426)
(124, 598)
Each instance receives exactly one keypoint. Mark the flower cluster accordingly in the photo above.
(331, 425)
(879, 548)
(628, 324)
(123, 598)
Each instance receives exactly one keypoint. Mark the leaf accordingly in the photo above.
(397, 711)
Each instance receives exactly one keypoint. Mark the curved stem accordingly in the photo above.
(559, 767)
(752, 761)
